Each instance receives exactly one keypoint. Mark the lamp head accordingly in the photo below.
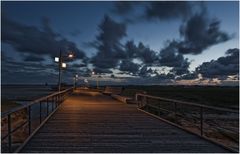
(56, 59)
(64, 65)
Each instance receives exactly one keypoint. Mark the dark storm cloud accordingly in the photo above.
(101, 71)
(30, 39)
(129, 66)
(33, 71)
(141, 52)
(165, 76)
(108, 44)
(81, 72)
(182, 69)
(10, 65)
(188, 76)
(75, 33)
(112, 76)
(123, 7)
(145, 71)
(78, 65)
(33, 58)
(131, 49)
(199, 33)
(223, 66)
(155, 10)
(147, 55)
(170, 57)
(165, 10)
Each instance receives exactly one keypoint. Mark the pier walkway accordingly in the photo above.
(92, 122)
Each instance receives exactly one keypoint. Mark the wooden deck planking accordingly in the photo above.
(91, 122)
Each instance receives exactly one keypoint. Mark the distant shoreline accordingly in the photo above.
(13, 84)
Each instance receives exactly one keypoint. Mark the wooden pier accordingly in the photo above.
(92, 122)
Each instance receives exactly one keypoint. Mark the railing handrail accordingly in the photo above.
(188, 103)
(6, 113)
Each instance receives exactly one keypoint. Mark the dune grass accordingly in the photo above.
(214, 96)
(8, 105)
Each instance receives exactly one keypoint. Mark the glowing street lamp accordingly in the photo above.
(70, 55)
(93, 73)
(64, 65)
(61, 65)
(56, 59)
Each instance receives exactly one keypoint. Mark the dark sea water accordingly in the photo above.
(24, 92)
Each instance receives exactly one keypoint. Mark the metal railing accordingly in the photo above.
(41, 108)
(213, 118)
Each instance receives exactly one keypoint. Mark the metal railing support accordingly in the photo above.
(201, 120)
(40, 112)
(175, 111)
(47, 107)
(29, 120)
(52, 102)
(143, 102)
(9, 134)
(54, 98)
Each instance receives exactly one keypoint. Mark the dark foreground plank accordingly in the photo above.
(91, 122)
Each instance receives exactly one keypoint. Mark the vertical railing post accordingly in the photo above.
(55, 104)
(60, 101)
(40, 112)
(201, 120)
(29, 120)
(9, 134)
(136, 99)
(145, 103)
(57, 100)
(175, 111)
(52, 102)
(47, 106)
(159, 108)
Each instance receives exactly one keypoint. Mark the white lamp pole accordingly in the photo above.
(61, 65)
(59, 70)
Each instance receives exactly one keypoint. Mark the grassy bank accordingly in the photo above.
(214, 96)
(8, 105)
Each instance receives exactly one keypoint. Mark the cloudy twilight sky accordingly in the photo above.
(162, 42)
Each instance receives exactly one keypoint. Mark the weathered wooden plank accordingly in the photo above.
(96, 123)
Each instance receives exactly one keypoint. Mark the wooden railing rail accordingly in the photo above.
(54, 99)
(172, 107)
(186, 103)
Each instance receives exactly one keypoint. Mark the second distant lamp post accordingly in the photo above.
(61, 65)
(93, 73)
(75, 78)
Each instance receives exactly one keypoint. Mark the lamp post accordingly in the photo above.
(61, 65)
(75, 81)
(93, 73)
